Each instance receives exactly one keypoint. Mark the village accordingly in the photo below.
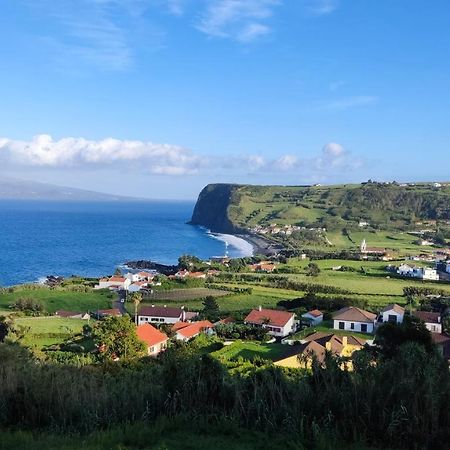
(197, 299)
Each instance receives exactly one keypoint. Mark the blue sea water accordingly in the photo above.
(39, 238)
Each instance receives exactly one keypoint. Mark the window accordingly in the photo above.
(341, 325)
(363, 328)
(392, 318)
(352, 326)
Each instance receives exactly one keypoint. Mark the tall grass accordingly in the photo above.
(397, 403)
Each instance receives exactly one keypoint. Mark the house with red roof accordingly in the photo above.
(278, 323)
(185, 331)
(155, 340)
(314, 317)
(432, 320)
(114, 282)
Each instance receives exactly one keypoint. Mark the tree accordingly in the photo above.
(136, 298)
(312, 270)
(211, 309)
(115, 337)
(391, 336)
(4, 328)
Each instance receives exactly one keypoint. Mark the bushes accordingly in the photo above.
(28, 305)
(401, 402)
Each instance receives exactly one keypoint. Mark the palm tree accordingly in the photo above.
(136, 298)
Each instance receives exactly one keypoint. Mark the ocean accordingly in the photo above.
(40, 238)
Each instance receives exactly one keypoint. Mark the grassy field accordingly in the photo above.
(40, 332)
(249, 350)
(53, 300)
(185, 294)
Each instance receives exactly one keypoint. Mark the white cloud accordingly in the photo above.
(343, 104)
(140, 157)
(242, 20)
(43, 151)
(322, 7)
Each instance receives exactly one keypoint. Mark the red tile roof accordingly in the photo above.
(428, 317)
(315, 313)
(150, 335)
(194, 328)
(179, 325)
(117, 279)
(269, 316)
(109, 312)
(353, 314)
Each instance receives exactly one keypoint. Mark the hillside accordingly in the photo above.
(339, 209)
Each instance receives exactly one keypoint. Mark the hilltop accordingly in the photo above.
(340, 209)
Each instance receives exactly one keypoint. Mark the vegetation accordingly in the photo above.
(366, 407)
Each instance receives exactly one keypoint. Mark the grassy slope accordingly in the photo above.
(295, 204)
(44, 331)
(249, 350)
(54, 300)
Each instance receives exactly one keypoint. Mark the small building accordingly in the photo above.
(427, 273)
(185, 331)
(447, 267)
(113, 312)
(432, 320)
(316, 346)
(278, 323)
(371, 251)
(352, 318)
(314, 317)
(155, 340)
(392, 313)
(72, 314)
(114, 282)
(137, 286)
(162, 314)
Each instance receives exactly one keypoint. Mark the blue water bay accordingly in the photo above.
(91, 239)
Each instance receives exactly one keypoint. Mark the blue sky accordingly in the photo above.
(156, 98)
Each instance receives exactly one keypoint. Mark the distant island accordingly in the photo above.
(16, 189)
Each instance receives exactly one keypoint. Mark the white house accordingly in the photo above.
(114, 282)
(162, 314)
(392, 313)
(155, 340)
(427, 273)
(314, 317)
(185, 331)
(447, 267)
(405, 270)
(432, 320)
(137, 286)
(278, 323)
(354, 319)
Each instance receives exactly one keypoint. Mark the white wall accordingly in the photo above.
(152, 319)
(386, 315)
(356, 326)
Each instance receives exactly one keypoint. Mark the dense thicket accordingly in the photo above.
(400, 402)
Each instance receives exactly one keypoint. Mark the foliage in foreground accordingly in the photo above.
(399, 402)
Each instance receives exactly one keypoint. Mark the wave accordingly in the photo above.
(243, 247)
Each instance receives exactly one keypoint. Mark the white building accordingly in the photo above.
(427, 273)
(354, 319)
(432, 320)
(314, 316)
(278, 323)
(163, 314)
(392, 313)
(447, 267)
(114, 282)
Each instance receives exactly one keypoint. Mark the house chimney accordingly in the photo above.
(344, 341)
(328, 346)
(439, 319)
(259, 308)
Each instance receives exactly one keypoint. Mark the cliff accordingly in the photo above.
(232, 208)
(213, 206)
